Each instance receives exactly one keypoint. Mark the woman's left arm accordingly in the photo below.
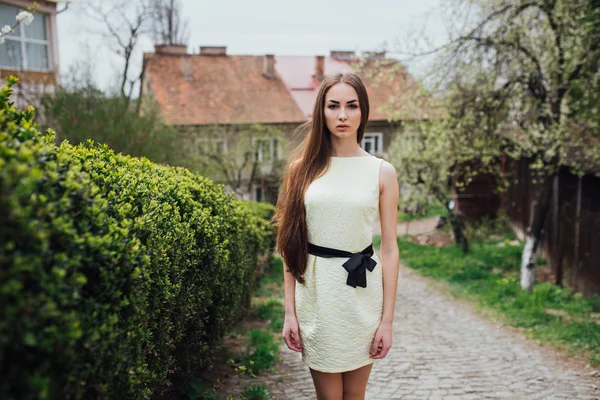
(389, 256)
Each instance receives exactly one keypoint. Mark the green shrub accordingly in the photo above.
(117, 275)
(262, 212)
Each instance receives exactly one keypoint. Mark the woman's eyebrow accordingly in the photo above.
(337, 102)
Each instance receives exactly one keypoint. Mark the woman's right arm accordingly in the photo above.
(291, 333)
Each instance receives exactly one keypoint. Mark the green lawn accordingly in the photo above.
(488, 276)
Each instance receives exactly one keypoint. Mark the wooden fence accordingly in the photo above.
(571, 234)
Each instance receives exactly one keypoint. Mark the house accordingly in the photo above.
(30, 52)
(196, 92)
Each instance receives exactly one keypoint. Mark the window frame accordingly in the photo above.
(274, 149)
(212, 142)
(371, 138)
(23, 40)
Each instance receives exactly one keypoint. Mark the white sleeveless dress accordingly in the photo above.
(337, 321)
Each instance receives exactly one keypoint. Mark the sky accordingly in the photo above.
(280, 27)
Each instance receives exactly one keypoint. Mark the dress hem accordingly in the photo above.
(337, 370)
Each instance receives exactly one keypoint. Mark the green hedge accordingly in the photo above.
(117, 275)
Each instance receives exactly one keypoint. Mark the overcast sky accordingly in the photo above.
(280, 27)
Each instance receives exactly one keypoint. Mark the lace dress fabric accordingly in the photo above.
(337, 321)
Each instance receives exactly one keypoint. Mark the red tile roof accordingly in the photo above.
(298, 73)
(200, 90)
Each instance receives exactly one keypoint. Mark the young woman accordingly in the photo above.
(339, 296)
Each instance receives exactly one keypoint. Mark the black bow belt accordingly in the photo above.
(357, 265)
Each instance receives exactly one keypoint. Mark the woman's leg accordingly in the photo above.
(355, 382)
(328, 385)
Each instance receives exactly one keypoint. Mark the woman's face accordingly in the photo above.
(342, 111)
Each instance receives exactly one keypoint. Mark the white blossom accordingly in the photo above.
(1, 39)
(25, 17)
(6, 29)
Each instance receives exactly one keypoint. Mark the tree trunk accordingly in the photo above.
(456, 220)
(534, 233)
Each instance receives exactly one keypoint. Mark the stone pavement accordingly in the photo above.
(444, 350)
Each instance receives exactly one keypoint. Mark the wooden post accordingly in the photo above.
(576, 269)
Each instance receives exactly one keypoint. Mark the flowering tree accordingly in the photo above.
(431, 153)
(540, 61)
(24, 17)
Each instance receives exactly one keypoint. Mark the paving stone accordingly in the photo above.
(443, 350)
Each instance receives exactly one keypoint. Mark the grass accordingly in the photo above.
(488, 276)
(256, 392)
(433, 210)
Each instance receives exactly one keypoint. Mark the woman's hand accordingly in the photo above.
(383, 341)
(291, 333)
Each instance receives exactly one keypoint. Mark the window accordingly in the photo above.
(258, 193)
(266, 149)
(372, 143)
(212, 146)
(27, 47)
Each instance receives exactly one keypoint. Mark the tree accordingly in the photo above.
(238, 156)
(124, 24)
(169, 27)
(542, 53)
(431, 153)
(80, 111)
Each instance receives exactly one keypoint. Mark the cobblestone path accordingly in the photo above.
(444, 350)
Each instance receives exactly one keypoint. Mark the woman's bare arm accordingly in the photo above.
(389, 256)
(289, 284)
(291, 331)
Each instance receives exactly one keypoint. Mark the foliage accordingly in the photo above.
(516, 77)
(81, 111)
(481, 230)
(256, 392)
(199, 392)
(489, 277)
(116, 274)
(272, 310)
(264, 351)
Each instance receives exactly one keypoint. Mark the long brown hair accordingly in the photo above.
(309, 160)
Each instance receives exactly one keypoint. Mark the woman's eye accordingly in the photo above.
(331, 106)
(353, 106)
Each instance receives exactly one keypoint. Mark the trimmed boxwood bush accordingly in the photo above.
(117, 275)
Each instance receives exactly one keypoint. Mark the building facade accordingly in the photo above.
(216, 99)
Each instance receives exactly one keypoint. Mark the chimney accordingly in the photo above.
(375, 55)
(269, 66)
(171, 49)
(343, 55)
(213, 50)
(320, 67)
(187, 69)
